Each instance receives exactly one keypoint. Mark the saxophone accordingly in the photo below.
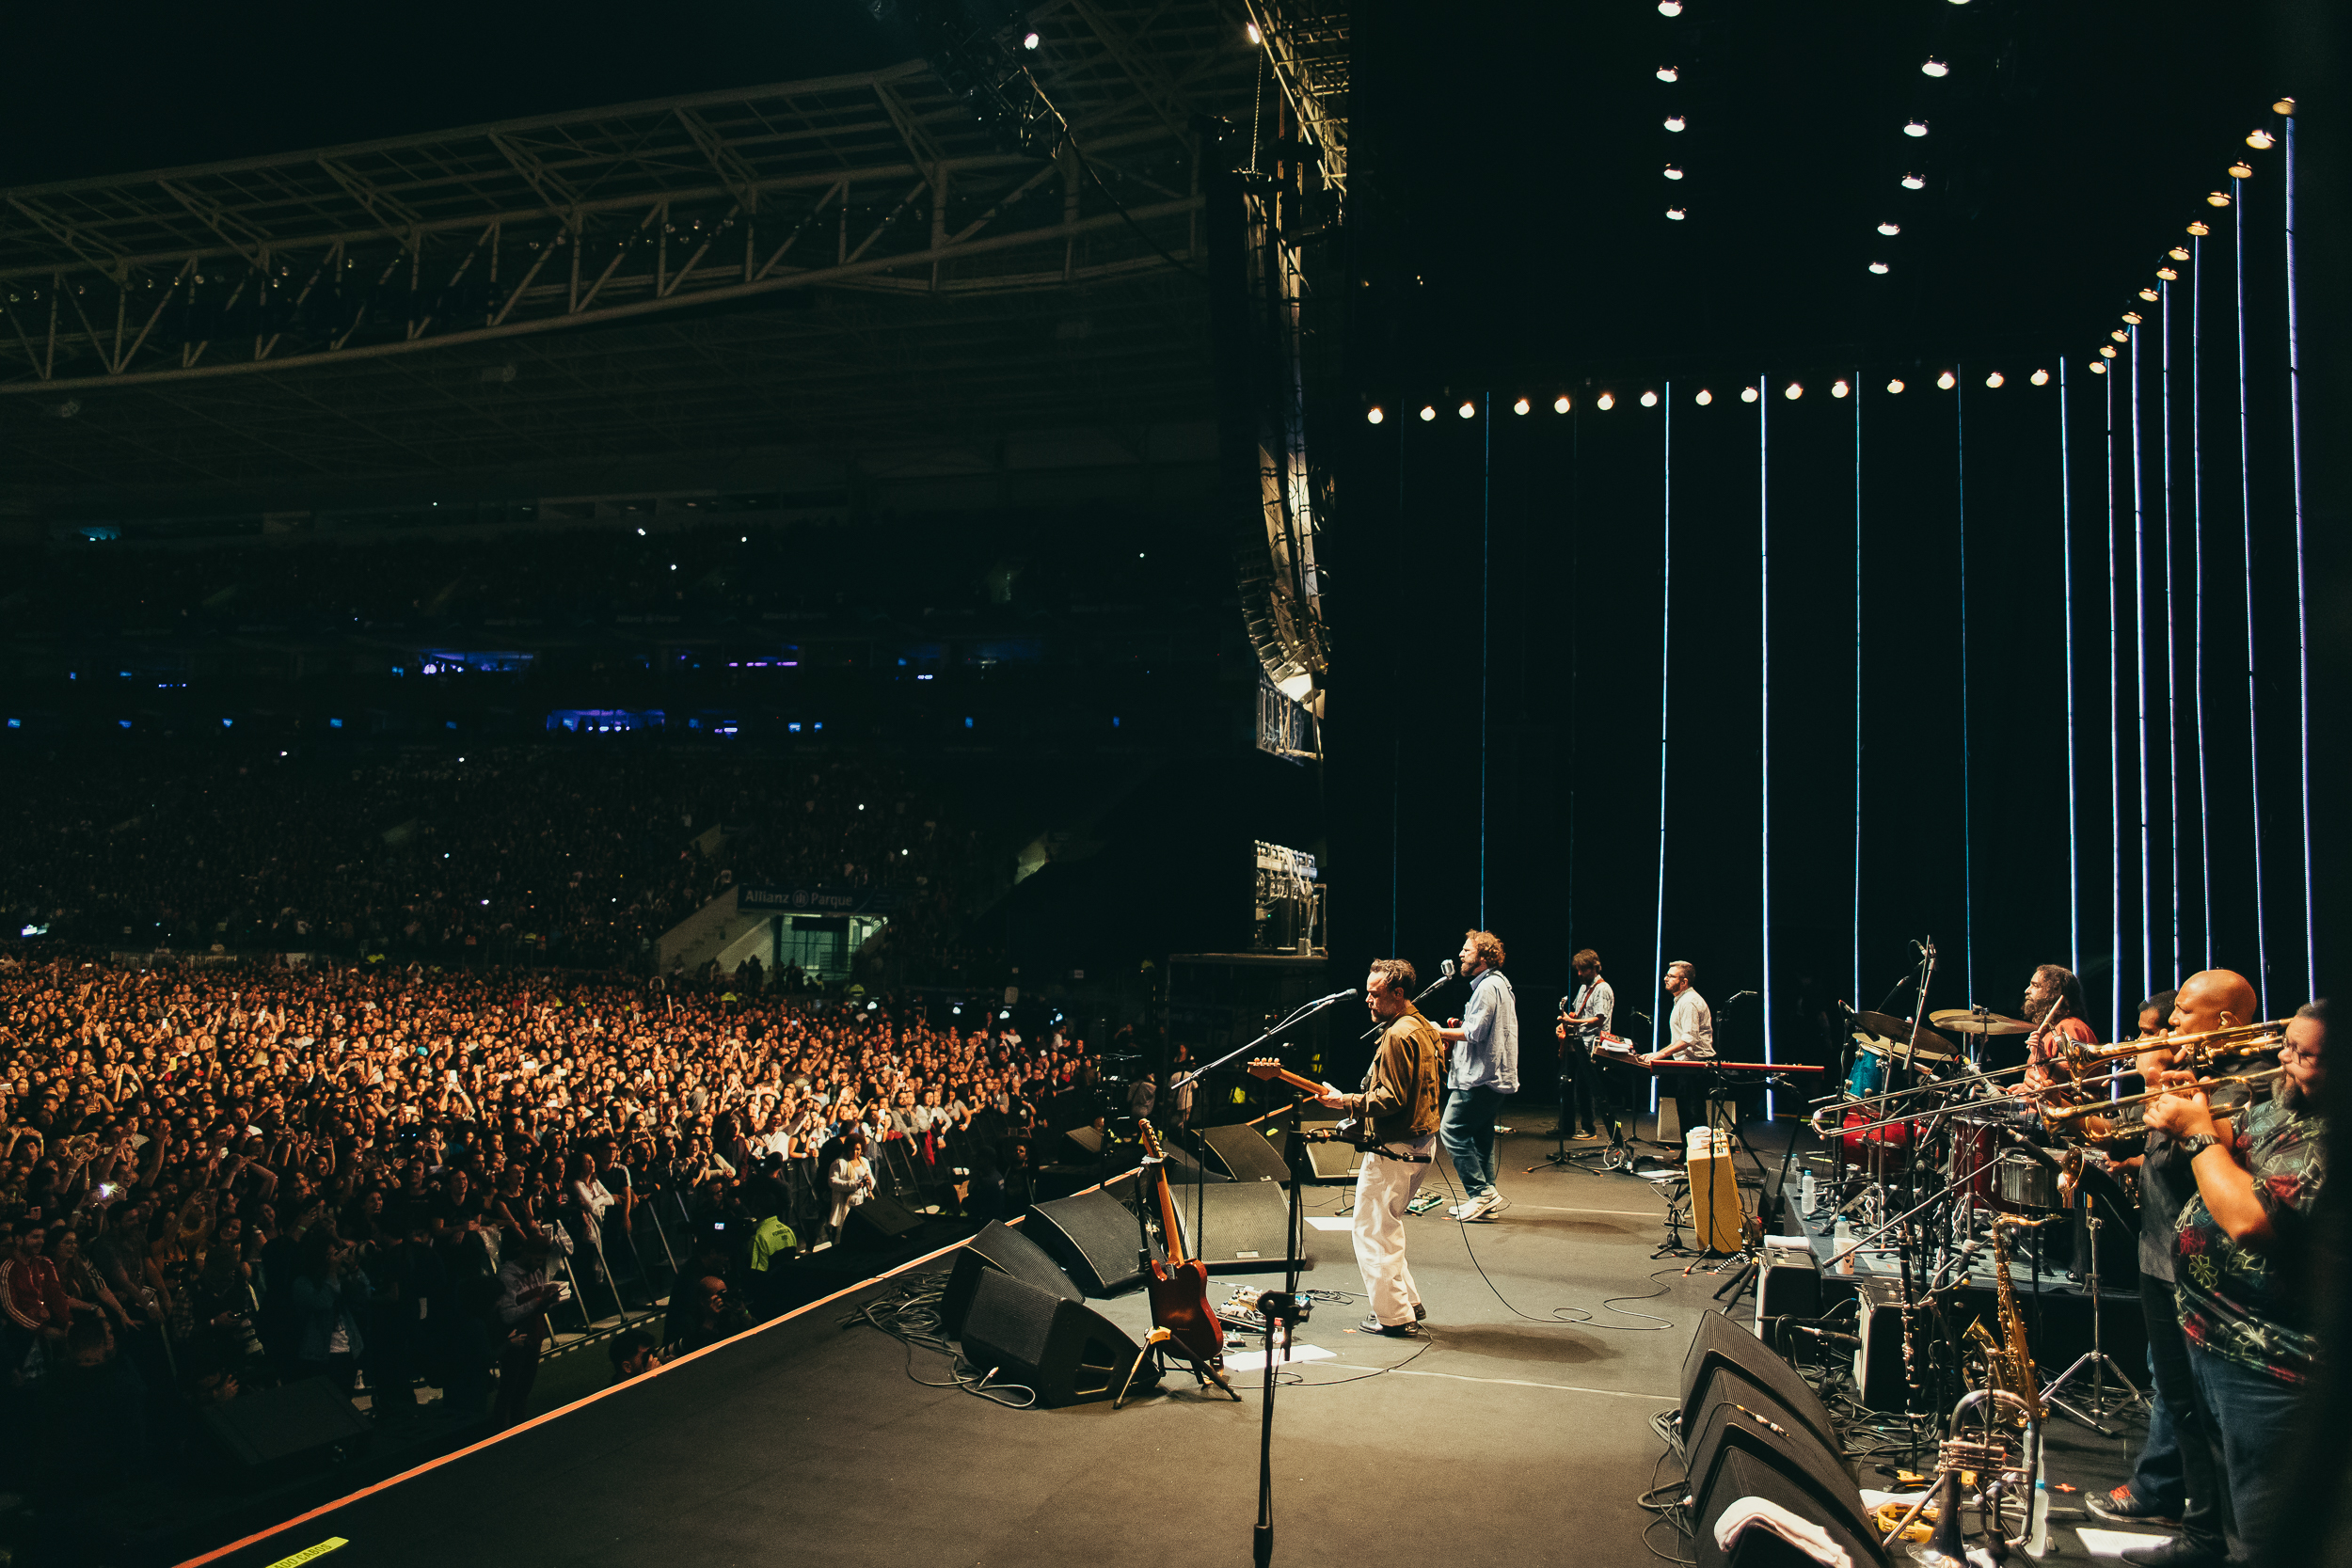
(2008, 1362)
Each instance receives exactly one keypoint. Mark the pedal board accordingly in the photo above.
(1425, 1202)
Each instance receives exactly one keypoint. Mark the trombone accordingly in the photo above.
(2188, 1051)
(2063, 1118)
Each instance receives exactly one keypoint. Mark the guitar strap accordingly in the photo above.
(1404, 1159)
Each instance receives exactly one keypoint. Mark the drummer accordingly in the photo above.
(2054, 1001)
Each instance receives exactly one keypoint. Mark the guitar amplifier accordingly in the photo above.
(1878, 1366)
(1717, 1221)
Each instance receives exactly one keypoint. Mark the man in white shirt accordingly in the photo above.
(1689, 1036)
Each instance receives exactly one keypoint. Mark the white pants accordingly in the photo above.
(1383, 1188)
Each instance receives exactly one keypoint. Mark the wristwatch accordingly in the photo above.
(2197, 1144)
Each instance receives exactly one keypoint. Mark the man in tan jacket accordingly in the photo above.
(1396, 1118)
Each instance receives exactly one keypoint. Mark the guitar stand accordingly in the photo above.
(1204, 1373)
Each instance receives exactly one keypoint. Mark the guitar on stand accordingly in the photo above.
(1181, 1317)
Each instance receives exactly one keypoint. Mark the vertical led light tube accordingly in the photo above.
(2302, 620)
(2246, 517)
(2140, 671)
(1764, 721)
(2196, 593)
(1968, 798)
(1858, 688)
(1486, 617)
(2115, 748)
(2074, 812)
(1665, 668)
(2172, 660)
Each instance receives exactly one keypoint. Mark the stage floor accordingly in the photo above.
(1508, 1434)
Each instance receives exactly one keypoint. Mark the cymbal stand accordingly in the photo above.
(2097, 1359)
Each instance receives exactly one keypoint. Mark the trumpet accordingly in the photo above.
(2190, 1050)
(2065, 1118)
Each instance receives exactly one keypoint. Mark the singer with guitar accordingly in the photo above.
(1398, 1112)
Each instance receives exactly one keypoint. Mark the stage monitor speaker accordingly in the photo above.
(1238, 1226)
(1330, 1160)
(1092, 1235)
(1065, 1349)
(1878, 1364)
(879, 1222)
(1181, 1166)
(1246, 1153)
(1787, 1282)
(274, 1428)
(1724, 1342)
(1744, 1473)
(1088, 1138)
(1001, 1248)
(1725, 1426)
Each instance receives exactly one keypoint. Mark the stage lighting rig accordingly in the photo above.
(979, 62)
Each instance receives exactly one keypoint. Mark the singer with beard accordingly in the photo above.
(2244, 1268)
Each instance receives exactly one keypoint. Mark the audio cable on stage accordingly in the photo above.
(912, 1318)
(1655, 1324)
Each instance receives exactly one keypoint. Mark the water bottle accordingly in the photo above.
(1804, 1193)
(1841, 1244)
(2037, 1533)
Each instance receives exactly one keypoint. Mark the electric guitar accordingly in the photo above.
(1178, 1288)
(1349, 1131)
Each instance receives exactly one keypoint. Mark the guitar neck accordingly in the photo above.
(1171, 1223)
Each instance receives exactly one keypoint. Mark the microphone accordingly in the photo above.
(1740, 996)
(1829, 1336)
(1446, 970)
(1338, 995)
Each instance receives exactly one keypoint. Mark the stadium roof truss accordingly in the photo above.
(882, 182)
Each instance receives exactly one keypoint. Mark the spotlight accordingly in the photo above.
(1673, 173)
(1838, 389)
(1605, 403)
(2261, 141)
(1521, 406)
(1895, 386)
(1255, 36)
(2241, 171)
(2201, 228)
(1029, 40)
(2217, 198)
(2121, 336)
(1427, 413)
(1947, 381)
(1935, 68)
(1703, 398)
(2150, 295)
(2106, 351)
(1890, 229)
(1668, 73)
(1676, 122)
(2178, 253)
(1669, 8)
(1916, 128)
(1560, 404)
(1649, 399)
(2133, 317)
(2098, 367)
(1993, 380)
(2042, 378)
(1878, 267)
(1747, 394)
(1468, 410)
(1677, 214)
(1373, 416)
(2167, 275)
(2284, 106)
(1915, 182)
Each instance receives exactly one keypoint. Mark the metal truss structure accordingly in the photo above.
(1307, 41)
(882, 182)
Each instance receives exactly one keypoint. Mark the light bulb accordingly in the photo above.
(1747, 394)
(1673, 173)
(1029, 40)
(2241, 171)
(1649, 399)
(1521, 406)
(1607, 402)
(1894, 386)
(1916, 128)
(1676, 122)
(2217, 198)
(1793, 393)
(1947, 381)
(1838, 387)
(1373, 416)
(2098, 367)
(1251, 31)
(1703, 398)
(1427, 413)
(2150, 295)
(2106, 351)
(1878, 266)
(1669, 8)
(1668, 73)
(2261, 141)
(1677, 214)
(1890, 229)
(2133, 317)
(1993, 380)
(1468, 410)
(1935, 68)
(2121, 336)
(2042, 378)
(2284, 106)
(2201, 228)
(2167, 275)
(1560, 404)
(2178, 253)
(1915, 182)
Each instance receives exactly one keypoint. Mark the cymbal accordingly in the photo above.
(1886, 1036)
(1978, 1020)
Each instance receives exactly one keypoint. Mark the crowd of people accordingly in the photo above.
(525, 854)
(214, 1180)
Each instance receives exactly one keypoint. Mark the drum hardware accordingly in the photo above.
(2097, 1359)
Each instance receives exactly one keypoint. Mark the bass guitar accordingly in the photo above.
(1178, 1288)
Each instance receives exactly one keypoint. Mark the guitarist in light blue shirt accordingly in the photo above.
(1482, 1072)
